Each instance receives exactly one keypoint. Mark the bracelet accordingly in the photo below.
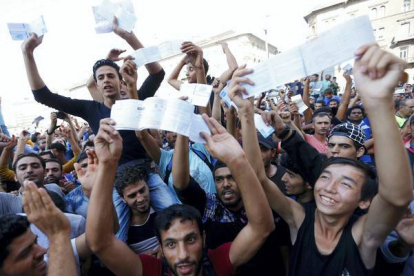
(284, 133)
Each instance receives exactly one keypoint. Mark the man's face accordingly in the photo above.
(314, 78)
(191, 73)
(322, 125)
(338, 189)
(356, 115)
(108, 82)
(123, 92)
(42, 144)
(408, 109)
(227, 189)
(329, 95)
(328, 77)
(182, 247)
(84, 165)
(60, 141)
(294, 183)
(30, 169)
(137, 197)
(318, 105)
(341, 146)
(25, 257)
(267, 155)
(171, 138)
(53, 173)
(333, 104)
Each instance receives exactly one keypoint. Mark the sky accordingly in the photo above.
(71, 46)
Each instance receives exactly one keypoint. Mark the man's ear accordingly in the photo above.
(364, 205)
(274, 151)
(360, 152)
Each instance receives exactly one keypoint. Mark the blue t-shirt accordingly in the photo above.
(77, 202)
(198, 168)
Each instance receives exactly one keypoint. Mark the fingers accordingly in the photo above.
(213, 130)
(78, 170)
(217, 125)
(107, 130)
(184, 98)
(361, 51)
(45, 199)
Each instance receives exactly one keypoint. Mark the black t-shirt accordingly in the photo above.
(142, 238)
(307, 261)
(93, 112)
(268, 258)
(277, 178)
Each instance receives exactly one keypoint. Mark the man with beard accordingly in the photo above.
(179, 229)
(131, 185)
(405, 110)
(54, 174)
(28, 167)
(356, 116)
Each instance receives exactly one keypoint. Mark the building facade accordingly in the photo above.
(392, 21)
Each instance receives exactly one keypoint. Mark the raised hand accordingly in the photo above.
(221, 144)
(128, 71)
(108, 142)
(273, 119)
(119, 31)
(236, 91)
(194, 53)
(24, 136)
(347, 77)
(377, 73)
(42, 212)
(30, 44)
(293, 108)
(114, 54)
(5, 141)
(88, 178)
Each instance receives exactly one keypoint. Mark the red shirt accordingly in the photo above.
(219, 259)
(322, 147)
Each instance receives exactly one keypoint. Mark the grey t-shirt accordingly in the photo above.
(12, 204)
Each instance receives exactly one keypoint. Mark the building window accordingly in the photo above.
(405, 28)
(313, 30)
(404, 52)
(381, 33)
(406, 5)
(382, 11)
(373, 13)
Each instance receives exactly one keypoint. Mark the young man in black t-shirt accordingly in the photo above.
(327, 238)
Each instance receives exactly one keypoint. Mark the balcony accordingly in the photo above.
(403, 37)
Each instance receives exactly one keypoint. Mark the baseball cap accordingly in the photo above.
(353, 132)
(266, 142)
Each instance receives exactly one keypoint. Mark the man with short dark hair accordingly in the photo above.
(405, 110)
(53, 171)
(321, 126)
(181, 238)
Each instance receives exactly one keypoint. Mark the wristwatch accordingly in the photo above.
(284, 133)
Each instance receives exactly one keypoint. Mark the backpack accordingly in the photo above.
(209, 163)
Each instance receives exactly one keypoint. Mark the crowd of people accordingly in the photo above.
(328, 193)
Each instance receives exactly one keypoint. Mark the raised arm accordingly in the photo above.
(288, 209)
(216, 110)
(28, 47)
(231, 62)
(343, 107)
(173, 78)
(133, 41)
(150, 145)
(181, 163)
(21, 143)
(377, 74)
(129, 73)
(260, 224)
(53, 223)
(115, 254)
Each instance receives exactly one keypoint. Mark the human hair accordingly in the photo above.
(206, 66)
(81, 157)
(325, 109)
(46, 152)
(334, 100)
(59, 147)
(320, 115)
(370, 186)
(129, 175)
(51, 160)
(105, 62)
(165, 218)
(218, 165)
(290, 164)
(21, 156)
(348, 112)
(88, 144)
(321, 102)
(11, 227)
(328, 90)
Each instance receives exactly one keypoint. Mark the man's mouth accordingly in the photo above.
(41, 265)
(185, 268)
(227, 194)
(327, 200)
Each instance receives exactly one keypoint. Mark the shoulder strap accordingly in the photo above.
(199, 153)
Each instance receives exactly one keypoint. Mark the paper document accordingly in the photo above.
(21, 31)
(399, 91)
(264, 130)
(330, 48)
(198, 94)
(156, 113)
(156, 53)
(348, 69)
(104, 15)
(299, 103)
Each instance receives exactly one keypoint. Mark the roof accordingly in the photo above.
(325, 4)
